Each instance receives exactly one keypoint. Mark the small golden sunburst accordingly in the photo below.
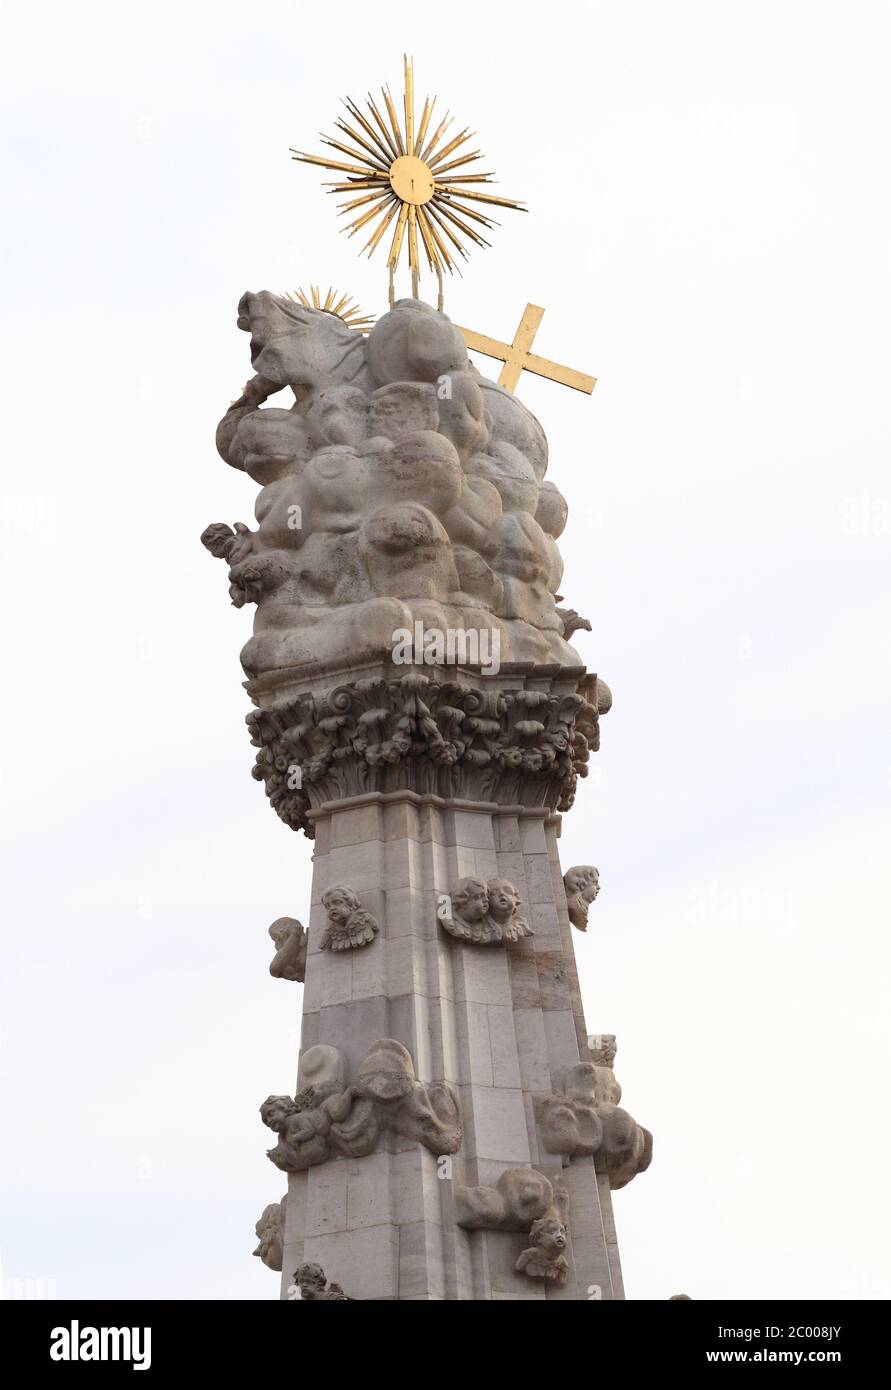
(405, 176)
(335, 303)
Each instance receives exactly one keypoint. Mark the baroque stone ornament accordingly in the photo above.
(270, 1234)
(544, 1259)
(626, 1148)
(522, 1199)
(328, 1118)
(401, 491)
(289, 961)
(568, 1120)
(583, 1118)
(483, 913)
(311, 1286)
(582, 884)
(453, 739)
(400, 486)
(349, 925)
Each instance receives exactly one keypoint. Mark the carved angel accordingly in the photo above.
(289, 961)
(349, 925)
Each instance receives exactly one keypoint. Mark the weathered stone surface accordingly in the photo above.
(419, 710)
(626, 1148)
(399, 486)
(520, 743)
(568, 1120)
(544, 1259)
(349, 925)
(518, 1197)
(311, 1286)
(328, 1118)
(522, 1199)
(270, 1231)
(289, 961)
(582, 885)
(483, 913)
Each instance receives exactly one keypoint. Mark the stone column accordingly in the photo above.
(501, 1023)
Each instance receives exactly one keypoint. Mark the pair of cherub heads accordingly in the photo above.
(483, 911)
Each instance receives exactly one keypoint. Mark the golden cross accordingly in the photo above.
(517, 358)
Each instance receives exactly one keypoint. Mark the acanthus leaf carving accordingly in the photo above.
(443, 738)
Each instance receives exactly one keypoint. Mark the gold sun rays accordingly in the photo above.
(412, 185)
(335, 303)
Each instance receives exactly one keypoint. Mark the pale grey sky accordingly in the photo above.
(710, 232)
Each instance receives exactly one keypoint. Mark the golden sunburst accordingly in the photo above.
(335, 303)
(421, 183)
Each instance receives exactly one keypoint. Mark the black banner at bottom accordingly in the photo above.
(91, 1337)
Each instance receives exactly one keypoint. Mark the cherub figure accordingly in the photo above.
(582, 884)
(349, 925)
(470, 910)
(303, 1123)
(289, 961)
(311, 1286)
(485, 913)
(504, 902)
(544, 1259)
(270, 1229)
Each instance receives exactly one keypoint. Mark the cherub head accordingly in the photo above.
(268, 444)
(503, 899)
(584, 878)
(582, 884)
(338, 415)
(310, 1280)
(276, 1111)
(548, 1234)
(269, 1235)
(470, 899)
(340, 903)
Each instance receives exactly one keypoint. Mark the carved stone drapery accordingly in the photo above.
(522, 1199)
(525, 743)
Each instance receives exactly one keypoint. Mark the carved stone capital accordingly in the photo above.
(523, 738)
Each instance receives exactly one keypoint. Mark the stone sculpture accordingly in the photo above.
(449, 738)
(544, 1259)
(270, 1234)
(328, 1118)
(582, 884)
(399, 485)
(583, 1118)
(403, 499)
(349, 925)
(289, 961)
(311, 1286)
(522, 1200)
(626, 1148)
(568, 1119)
(483, 913)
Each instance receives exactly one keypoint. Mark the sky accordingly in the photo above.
(709, 230)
